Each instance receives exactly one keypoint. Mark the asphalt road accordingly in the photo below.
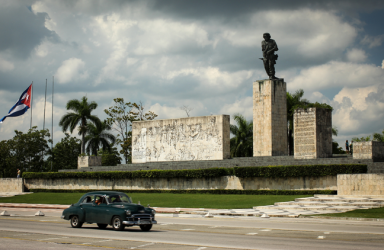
(24, 231)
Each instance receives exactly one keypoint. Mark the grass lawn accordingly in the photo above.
(359, 213)
(164, 199)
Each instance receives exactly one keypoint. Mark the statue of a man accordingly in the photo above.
(269, 47)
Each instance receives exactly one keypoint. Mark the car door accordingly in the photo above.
(86, 206)
(98, 211)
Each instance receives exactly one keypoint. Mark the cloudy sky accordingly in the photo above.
(202, 54)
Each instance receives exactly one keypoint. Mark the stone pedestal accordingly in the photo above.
(372, 150)
(88, 161)
(312, 133)
(270, 118)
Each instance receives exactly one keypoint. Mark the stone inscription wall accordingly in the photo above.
(368, 150)
(270, 118)
(312, 133)
(305, 134)
(184, 139)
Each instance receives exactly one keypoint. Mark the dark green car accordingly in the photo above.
(109, 208)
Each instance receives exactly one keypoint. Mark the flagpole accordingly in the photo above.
(30, 126)
(45, 102)
(53, 84)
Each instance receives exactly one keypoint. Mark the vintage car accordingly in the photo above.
(109, 208)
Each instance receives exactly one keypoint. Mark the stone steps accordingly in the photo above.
(325, 203)
(330, 203)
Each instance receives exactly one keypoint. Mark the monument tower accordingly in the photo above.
(270, 107)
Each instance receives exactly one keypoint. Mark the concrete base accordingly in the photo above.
(11, 185)
(88, 161)
(270, 118)
(360, 184)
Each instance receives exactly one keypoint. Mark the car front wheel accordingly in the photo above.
(117, 223)
(102, 226)
(75, 221)
(145, 228)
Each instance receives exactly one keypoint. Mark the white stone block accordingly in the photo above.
(183, 139)
(270, 118)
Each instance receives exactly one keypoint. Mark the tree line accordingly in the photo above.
(31, 152)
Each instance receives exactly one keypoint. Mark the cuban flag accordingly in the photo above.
(22, 105)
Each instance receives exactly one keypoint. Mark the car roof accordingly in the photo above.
(104, 192)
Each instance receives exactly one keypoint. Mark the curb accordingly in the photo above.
(343, 218)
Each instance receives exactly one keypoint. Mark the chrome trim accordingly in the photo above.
(63, 217)
(141, 216)
(146, 222)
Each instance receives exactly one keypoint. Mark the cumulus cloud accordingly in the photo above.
(6, 65)
(201, 54)
(373, 41)
(337, 74)
(243, 106)
(21, 29)
(70, 70)
(356, 55)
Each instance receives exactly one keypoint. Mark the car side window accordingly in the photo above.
(99, 199)
(87, 199)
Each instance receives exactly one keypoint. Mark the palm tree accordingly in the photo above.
(242, 142)
(98, 136)
(80, 117)
(293, 101)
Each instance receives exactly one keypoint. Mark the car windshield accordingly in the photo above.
(119, 198)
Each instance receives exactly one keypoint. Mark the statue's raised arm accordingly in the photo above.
(269, 46)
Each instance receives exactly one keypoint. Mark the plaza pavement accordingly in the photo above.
(319, 204)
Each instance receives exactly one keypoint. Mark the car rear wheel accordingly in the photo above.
(146, 228)
(117, 223)
(102, 226)
(75, 221)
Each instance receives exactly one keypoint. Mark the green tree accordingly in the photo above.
(356, 139)
(64, 154)
(242, 142)
(110, 158)
(80, 117)
(120, 118)
(8, 165)
(24, 151)
(378, 137)
(336, 149)
(98, 136)
(293, 102)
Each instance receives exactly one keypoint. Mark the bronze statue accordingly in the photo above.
(269, 47)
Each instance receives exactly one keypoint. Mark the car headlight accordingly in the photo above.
(128, 212)
(153, 212)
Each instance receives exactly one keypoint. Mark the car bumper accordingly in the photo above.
(63, 217)
(143, 222)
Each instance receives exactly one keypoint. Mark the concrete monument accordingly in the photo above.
(184, 139)
(270, 118)
(372, 150)
(312, 133)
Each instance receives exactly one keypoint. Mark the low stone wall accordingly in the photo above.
(225, 182)
(373, 150)
(360, 184)
(11, 185)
